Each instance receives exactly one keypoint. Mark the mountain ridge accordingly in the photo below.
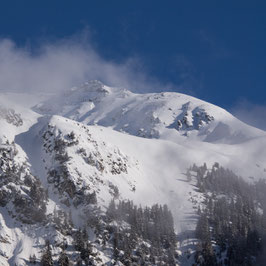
(160, 115)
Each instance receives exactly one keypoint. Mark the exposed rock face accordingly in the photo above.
(61, 150)
(192, 118)
(11, 116)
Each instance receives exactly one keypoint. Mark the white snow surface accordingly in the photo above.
(165, 115)
(161, 135)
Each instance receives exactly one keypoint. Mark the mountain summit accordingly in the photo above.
(165, 115)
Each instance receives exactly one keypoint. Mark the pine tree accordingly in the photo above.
(46, 259)
(63, 259)
(111, 211)
(78, 241)
(32, 259)
(115, 246)
(202, 229)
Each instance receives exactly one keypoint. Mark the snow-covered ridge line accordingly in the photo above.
(167, 115)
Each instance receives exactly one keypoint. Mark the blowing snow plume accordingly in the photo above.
(65, 63)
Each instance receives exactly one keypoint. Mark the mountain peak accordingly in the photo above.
(167, 115)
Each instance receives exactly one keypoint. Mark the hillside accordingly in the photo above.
(64, 160)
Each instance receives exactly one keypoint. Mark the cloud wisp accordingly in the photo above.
(250, 113)
(66, 63)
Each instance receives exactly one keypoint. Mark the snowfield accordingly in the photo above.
(108, 142)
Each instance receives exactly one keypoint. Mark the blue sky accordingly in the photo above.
(214, 50)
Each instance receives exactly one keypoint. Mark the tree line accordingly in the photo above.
(232, 224)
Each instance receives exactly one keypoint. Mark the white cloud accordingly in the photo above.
(66, 63)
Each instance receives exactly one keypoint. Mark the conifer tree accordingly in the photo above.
(63, 259)
(47, 259)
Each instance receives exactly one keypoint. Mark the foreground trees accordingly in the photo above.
(147, 235)
(46, 259)
(232, 223)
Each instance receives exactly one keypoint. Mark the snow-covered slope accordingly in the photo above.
(15, 115)
(154, 115)
(72, 153)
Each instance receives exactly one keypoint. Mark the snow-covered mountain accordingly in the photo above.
(65, 156)
(154, 115)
